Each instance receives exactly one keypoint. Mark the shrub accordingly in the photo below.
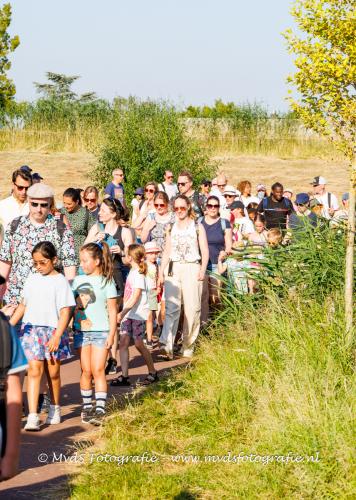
(145, 139)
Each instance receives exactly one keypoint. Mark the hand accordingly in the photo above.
(119, 318)
(53, 343)
(109, 341)
(8, 467)
(115, 249)
(100, 236)
(222, 255)
(331, 212)
(201, 275)
(160, 280)
(8, 310)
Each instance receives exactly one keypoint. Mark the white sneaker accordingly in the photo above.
(54, 415)
(33, 422)
(187, 353)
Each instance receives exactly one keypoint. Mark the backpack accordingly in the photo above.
(61, 227)
(5, 363)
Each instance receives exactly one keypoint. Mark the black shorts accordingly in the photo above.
(119, 282)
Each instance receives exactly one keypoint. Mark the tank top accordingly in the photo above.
(158, 232)
(184, 243)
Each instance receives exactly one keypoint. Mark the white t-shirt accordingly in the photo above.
(171, 190)
(324, 199)
(44, 297)
(10, 208)
(244, 225)
(249, 199)
(140, 310)
(135, 204)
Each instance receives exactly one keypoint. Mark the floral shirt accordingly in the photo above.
(17, 247)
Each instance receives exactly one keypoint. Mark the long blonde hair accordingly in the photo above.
(137, 253)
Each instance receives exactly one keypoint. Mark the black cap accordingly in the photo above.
(37, 177)
(205, 182)
(236, 204)
(26, 168)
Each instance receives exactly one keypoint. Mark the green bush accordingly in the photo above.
(145, 139)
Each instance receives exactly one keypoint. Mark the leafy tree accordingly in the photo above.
(59, 89)
(7, 45)
(145, 139)
(325, 58)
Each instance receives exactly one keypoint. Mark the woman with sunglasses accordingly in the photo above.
(184, 261)
(118, 237)
(151, 188)
(156, 223)
(91, 201)
(80, 219)
(219, 236)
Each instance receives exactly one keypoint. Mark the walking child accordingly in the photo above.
(133, 317)
(45, 312)
(152, 253)
(94, 325)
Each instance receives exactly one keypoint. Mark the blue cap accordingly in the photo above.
(345, 196)
(37, 177)
(302, 199)
(139, 191)
(26, 168)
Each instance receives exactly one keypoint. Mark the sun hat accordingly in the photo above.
(302, 199)
(151, 247)
(139, 191)
(40, 191)
(230, 190)
(318, 180)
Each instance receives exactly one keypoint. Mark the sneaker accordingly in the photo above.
(187, 353)
(44, 402)
(97, 416)
(54, 415)
(86, 415)
(111, 367)
(33, 422)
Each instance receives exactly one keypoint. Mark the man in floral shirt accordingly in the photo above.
(24, 233)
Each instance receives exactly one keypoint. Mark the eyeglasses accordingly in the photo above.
(180, 209)
(209, 205)
(181, 183)
(149, 190)
(21, 188)
(42, 205)
(159, 205)
(90, 200)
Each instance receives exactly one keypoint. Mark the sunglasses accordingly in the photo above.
(149, 190)
(42, 205)
(87, 200)
(169, 176)
(22, 188)
(209, 205)
(180, 209)
(159, 205)
(229, 196)
(221, 185)
(181, 183)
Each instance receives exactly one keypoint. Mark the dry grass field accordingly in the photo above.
(62, 170)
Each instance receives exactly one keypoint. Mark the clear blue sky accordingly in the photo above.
(187, 51)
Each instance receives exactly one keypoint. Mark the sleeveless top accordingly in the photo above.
(184, 242)
(112, 240)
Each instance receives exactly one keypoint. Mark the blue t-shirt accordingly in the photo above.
(216, 239)
(116, 191)
(91, 294)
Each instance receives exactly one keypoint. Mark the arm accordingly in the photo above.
(165, 258)
(70, 272)
(204, 250)
(221, 265)
(18, 314)
(228, 240)
(130, 303)
(63, 321)
(9, 463)
(112, 311)
(93, 234)
(147, 226)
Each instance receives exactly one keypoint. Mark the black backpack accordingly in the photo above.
(61, 227)
(5, 363)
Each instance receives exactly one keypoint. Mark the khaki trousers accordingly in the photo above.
(182, 288)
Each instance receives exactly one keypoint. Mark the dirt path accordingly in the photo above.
(40, 474)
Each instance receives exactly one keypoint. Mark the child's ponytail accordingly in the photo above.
(101, 251)
(137, 253)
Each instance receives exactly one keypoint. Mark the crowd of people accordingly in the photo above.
(94, 274)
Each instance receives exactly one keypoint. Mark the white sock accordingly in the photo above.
(100, 398)
(87, 398)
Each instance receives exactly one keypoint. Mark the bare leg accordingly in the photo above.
(124, 354)
(149, 326)
(86, 376)
(140, 346)
(97, 363)
(34, 375)
(54, 380)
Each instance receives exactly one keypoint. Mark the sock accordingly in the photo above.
(86, 395)
(100, 398)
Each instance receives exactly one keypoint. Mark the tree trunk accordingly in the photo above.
(349, 268)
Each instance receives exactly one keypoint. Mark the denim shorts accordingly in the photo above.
(82, 339)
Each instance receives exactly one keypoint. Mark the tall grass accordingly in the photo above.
(53, 125)
(269, 399)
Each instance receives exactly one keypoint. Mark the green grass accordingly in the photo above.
(276, 380)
